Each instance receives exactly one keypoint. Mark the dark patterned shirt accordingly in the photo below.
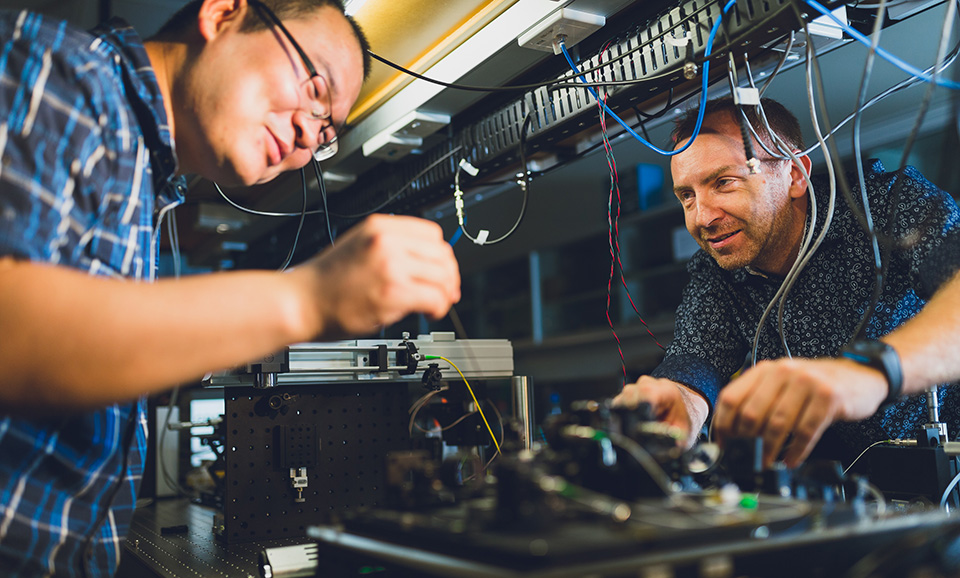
(718, 316)
(85, 148)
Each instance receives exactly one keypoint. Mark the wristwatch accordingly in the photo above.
(882, 357)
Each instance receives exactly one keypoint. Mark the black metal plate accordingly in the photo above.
(351, 426)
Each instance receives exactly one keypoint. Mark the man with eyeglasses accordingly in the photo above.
(97, 132)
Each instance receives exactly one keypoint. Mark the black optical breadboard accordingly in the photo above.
(339, 433)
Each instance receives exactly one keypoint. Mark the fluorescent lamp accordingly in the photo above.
(352, 6)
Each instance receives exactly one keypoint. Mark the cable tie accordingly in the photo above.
(677, 42)
(746, 96)
(482, 237)
(471, 170)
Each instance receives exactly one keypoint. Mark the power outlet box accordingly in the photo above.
(573, 25)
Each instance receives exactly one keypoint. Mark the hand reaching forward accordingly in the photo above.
(672, 403)
(799, 398)
(380, 271)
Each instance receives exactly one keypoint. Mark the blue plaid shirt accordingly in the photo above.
(87, 163)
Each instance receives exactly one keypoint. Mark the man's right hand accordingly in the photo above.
(84, 341)
(383, 269)
(672, 403)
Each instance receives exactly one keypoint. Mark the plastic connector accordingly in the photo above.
(746, 96)
(470, 169)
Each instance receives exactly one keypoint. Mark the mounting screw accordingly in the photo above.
(690, 70)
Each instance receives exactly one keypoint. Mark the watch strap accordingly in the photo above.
(882, 357)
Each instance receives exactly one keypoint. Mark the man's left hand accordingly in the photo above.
(799, 398)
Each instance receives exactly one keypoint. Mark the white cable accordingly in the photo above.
(161, 459)
(783, 60)
(807, 251)
(865, 450)
(881, 500)
(784, 147)
(787, 154)
(903, 84)
(174, 238)
(155, 239)
(868, 222)
(831, 205)
(946, 492)
(798, 263)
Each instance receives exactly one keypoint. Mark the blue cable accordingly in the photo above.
(905, 67)
(703, 94)
(457, 234)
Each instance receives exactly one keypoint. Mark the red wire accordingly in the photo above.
(613, 227)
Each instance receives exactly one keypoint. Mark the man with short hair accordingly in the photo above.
(97, 131)
(750, 228)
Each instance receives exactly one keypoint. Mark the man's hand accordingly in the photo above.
(380, 271)
(799, 398)
(672, 403)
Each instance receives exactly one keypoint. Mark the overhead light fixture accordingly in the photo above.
(390, 147)
(405, 135)
(334, 181)
(350, 7)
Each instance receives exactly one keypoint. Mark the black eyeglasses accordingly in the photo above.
(314, 91)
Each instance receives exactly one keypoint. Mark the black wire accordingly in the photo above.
(525, 183)
(666, 108)
(897, 187)
(838, 163)
(605, 83)
(928, 94)
(249, 211)
(902, 85)
(410, 183)
(468, 87)
(678, 25)
(303, 214)
(323, 196)
(780, 63)
(565, 83)
(588, 150)
(553, 84)
(626, 54)
(748, 151)
(540, 84)
(841, 177)
(643, 129)
(118, 485)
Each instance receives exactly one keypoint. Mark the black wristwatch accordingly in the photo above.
(882, 357)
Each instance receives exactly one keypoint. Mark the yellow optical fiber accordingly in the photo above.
(470, 389)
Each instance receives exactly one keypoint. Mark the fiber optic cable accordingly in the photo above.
(859, 37)
(703, 95)
(470, 389)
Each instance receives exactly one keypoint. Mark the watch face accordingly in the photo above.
(863, 351)
(882, 357)
(866, 351)
(870, 347)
